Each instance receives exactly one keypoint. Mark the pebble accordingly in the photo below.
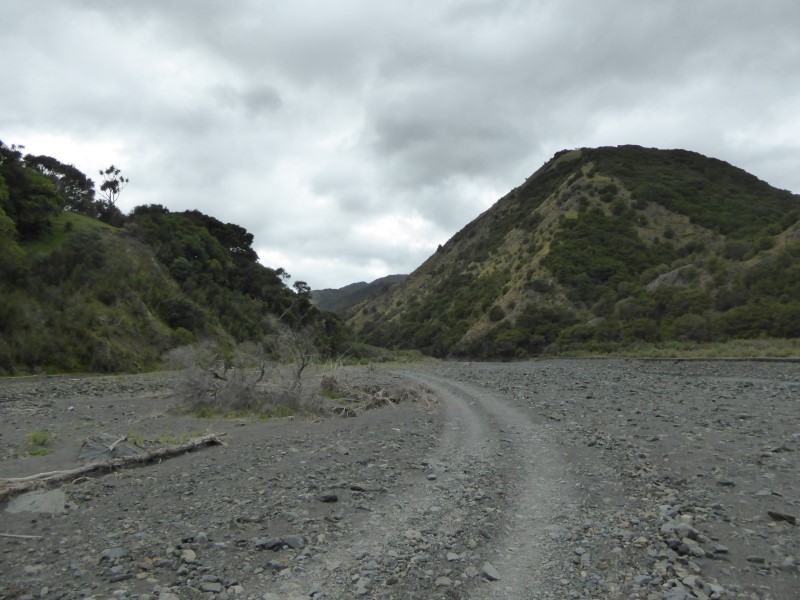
(489, 572)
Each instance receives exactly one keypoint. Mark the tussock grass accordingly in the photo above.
(37, 442)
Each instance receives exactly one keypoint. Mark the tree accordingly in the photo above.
(113, 184)
(27, 196)
(74, 186)
(111, 188)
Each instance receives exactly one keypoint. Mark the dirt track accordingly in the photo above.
(548, 479)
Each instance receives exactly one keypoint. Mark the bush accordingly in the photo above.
(496, 314)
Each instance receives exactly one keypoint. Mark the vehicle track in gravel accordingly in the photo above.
(506, 437)
(484, 438)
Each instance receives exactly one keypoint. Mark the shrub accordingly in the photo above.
(37, 441)
(496, 314)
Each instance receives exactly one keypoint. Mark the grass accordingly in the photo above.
(37, 442)
(63, 225)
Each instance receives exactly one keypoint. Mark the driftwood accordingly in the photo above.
(16, 485)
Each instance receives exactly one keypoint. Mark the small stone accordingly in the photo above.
(328, 497)
(211, 586)
(295, 542)
(188, 556)
(782, 517)
(451, 556)
(489, 572)
(726, 483)
(269, 543)
(113, 554)
(362, 587)
(443, 582)
(758, 560)
(201, 538)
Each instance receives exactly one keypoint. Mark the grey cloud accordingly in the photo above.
(311, 123)
(255, 100)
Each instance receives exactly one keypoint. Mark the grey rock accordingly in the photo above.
(113, 554)
(211, 586)
(295, 542)
(269, 543)
(489, 572)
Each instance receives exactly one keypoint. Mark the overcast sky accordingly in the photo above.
(351, 137)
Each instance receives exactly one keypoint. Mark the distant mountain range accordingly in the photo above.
(341, 299)
(602, 249)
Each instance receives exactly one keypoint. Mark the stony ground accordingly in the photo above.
(546, 479)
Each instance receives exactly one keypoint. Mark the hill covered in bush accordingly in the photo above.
(605, 249)
(85, 288)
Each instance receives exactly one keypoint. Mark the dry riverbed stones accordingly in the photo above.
(682, 481)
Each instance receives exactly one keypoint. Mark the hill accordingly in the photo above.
(85, 288)
(341, 299)
(602, 249)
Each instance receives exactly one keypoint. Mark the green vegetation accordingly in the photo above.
(595, 253)
(85, 288)
(607, 250)
(37, 442)
(711, 192)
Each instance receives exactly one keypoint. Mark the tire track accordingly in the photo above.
(507, 439)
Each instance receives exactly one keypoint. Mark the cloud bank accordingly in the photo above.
(353, 137)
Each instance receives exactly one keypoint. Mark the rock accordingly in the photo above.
(443, 582)
(269, 543)
(52, 502)
(113, 554)
(188, 556)
(489, 572)
(201, 538)
(328, 497)
(295, 542)
(211, 586)
(362, 587)
(778, 516)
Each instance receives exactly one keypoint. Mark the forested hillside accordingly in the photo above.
(344, 299)
(85, 288)
(606, 249)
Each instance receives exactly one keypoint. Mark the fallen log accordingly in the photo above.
(16, 485)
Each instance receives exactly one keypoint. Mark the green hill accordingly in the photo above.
(85, 288)
(603, 249)
(343, 299)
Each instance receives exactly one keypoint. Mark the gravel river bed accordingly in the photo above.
(547, 479)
